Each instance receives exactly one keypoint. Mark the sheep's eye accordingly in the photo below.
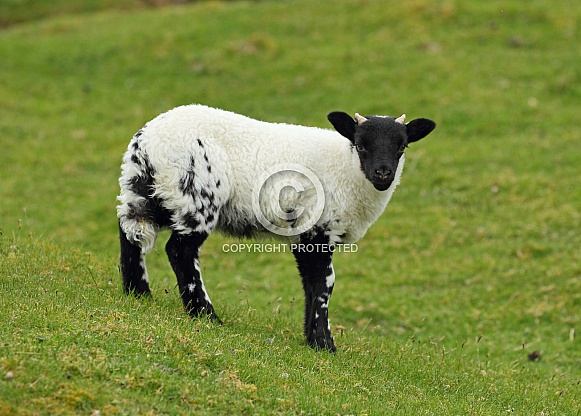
(359, 148)
(402, 148)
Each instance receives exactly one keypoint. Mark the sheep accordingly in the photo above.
(194, 169)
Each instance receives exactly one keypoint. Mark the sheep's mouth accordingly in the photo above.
(381, 185)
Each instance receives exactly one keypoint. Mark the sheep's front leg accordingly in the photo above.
(318, 277)
(183, 253)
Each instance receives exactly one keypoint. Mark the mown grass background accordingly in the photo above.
(475, 265)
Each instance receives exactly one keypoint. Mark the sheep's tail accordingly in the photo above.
(138, 228)
(135, 213)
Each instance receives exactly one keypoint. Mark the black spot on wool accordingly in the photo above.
(151, 207)
(143, 183)
(204, 193)
(187, 183)
(191, 220)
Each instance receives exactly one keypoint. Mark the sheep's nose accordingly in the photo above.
(383, 173)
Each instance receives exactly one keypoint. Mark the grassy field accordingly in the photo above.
(464, 298)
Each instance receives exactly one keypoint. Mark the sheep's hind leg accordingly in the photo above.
(132, 266)
(183, 251)
(318, 278)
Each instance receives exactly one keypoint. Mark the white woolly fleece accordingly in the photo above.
(239, 150)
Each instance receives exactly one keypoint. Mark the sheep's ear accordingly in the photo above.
(419, 128)
(343, 123)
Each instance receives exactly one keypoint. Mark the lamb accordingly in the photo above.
(194, 169)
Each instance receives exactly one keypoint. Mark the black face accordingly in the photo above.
(380, 143)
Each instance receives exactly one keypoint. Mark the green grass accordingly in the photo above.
(92, 348)
(475, 264)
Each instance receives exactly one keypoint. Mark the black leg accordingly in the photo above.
(183, 251)
(314, 260)
(132, 265)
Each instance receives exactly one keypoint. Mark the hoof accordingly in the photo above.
(323, 343)
(138, 292)
(205, 313)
